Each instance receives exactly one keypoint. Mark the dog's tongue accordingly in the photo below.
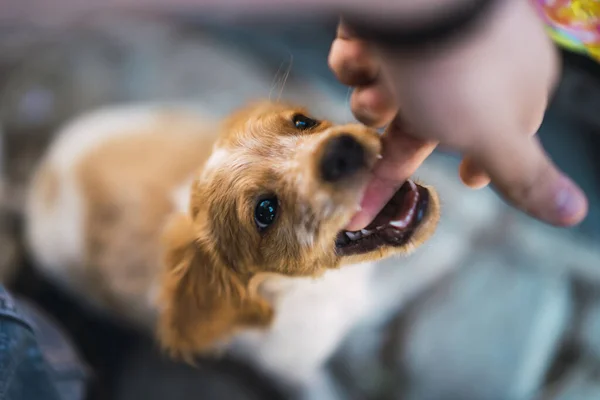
(400, 210)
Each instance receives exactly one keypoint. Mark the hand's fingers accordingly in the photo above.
(472, 175)
(402, 155)
(374, 105)
(525, 176)
(353, 62)
(343, 31)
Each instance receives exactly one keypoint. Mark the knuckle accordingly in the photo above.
(358, 55)
(351, 63)
(364, 114)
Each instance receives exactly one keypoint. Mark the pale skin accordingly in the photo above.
(483, 97)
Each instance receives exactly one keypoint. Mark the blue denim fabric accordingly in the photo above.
(67, 370)
(24, 373)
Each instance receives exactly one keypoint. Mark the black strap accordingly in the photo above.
(401, 35)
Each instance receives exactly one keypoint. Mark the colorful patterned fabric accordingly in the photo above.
(573, 24)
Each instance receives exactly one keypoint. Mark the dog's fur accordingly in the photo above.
(147, 213)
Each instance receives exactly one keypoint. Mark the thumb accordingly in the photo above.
(524, 175)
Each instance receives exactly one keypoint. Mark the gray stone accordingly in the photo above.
(581, 383)
(590, 330)
(358, 365)
(561, 251)
(488, 333)
(147, 374)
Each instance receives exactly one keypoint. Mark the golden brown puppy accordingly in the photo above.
(217, 232)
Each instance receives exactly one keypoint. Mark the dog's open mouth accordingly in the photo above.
(393, 226)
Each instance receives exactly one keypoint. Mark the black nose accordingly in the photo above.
(342, 157)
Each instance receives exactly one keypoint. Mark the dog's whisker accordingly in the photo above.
(285, 77)
(280, 78)
(275, 80)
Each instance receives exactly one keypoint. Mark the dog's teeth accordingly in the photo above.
(366, 232)
(353, 235)
(403, 223)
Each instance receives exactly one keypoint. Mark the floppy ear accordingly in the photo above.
(202, 301)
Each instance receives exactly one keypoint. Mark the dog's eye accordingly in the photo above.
(265, 212)
(302, 122)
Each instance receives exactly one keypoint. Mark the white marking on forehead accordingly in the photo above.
(181, 196)
(216, 159)
(221, 158)
(253, 143)
(245, 152)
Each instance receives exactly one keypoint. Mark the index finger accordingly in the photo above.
(402, 154)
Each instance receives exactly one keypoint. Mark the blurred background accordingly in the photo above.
(496, 306)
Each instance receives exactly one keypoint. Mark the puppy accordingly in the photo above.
(221, 237)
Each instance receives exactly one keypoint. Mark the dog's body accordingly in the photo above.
(103, 197)
(107, 184)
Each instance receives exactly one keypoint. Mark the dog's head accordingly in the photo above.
(275, 197)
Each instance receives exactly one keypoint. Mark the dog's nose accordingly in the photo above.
(342, 157)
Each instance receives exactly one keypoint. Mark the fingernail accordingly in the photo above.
(571, 203)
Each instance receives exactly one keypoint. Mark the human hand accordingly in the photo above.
(484, 98)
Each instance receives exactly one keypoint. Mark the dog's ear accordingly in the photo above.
(202, 302)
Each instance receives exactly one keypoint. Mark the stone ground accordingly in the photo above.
(495, 306)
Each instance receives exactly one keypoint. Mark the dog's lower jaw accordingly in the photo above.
(416, 232)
